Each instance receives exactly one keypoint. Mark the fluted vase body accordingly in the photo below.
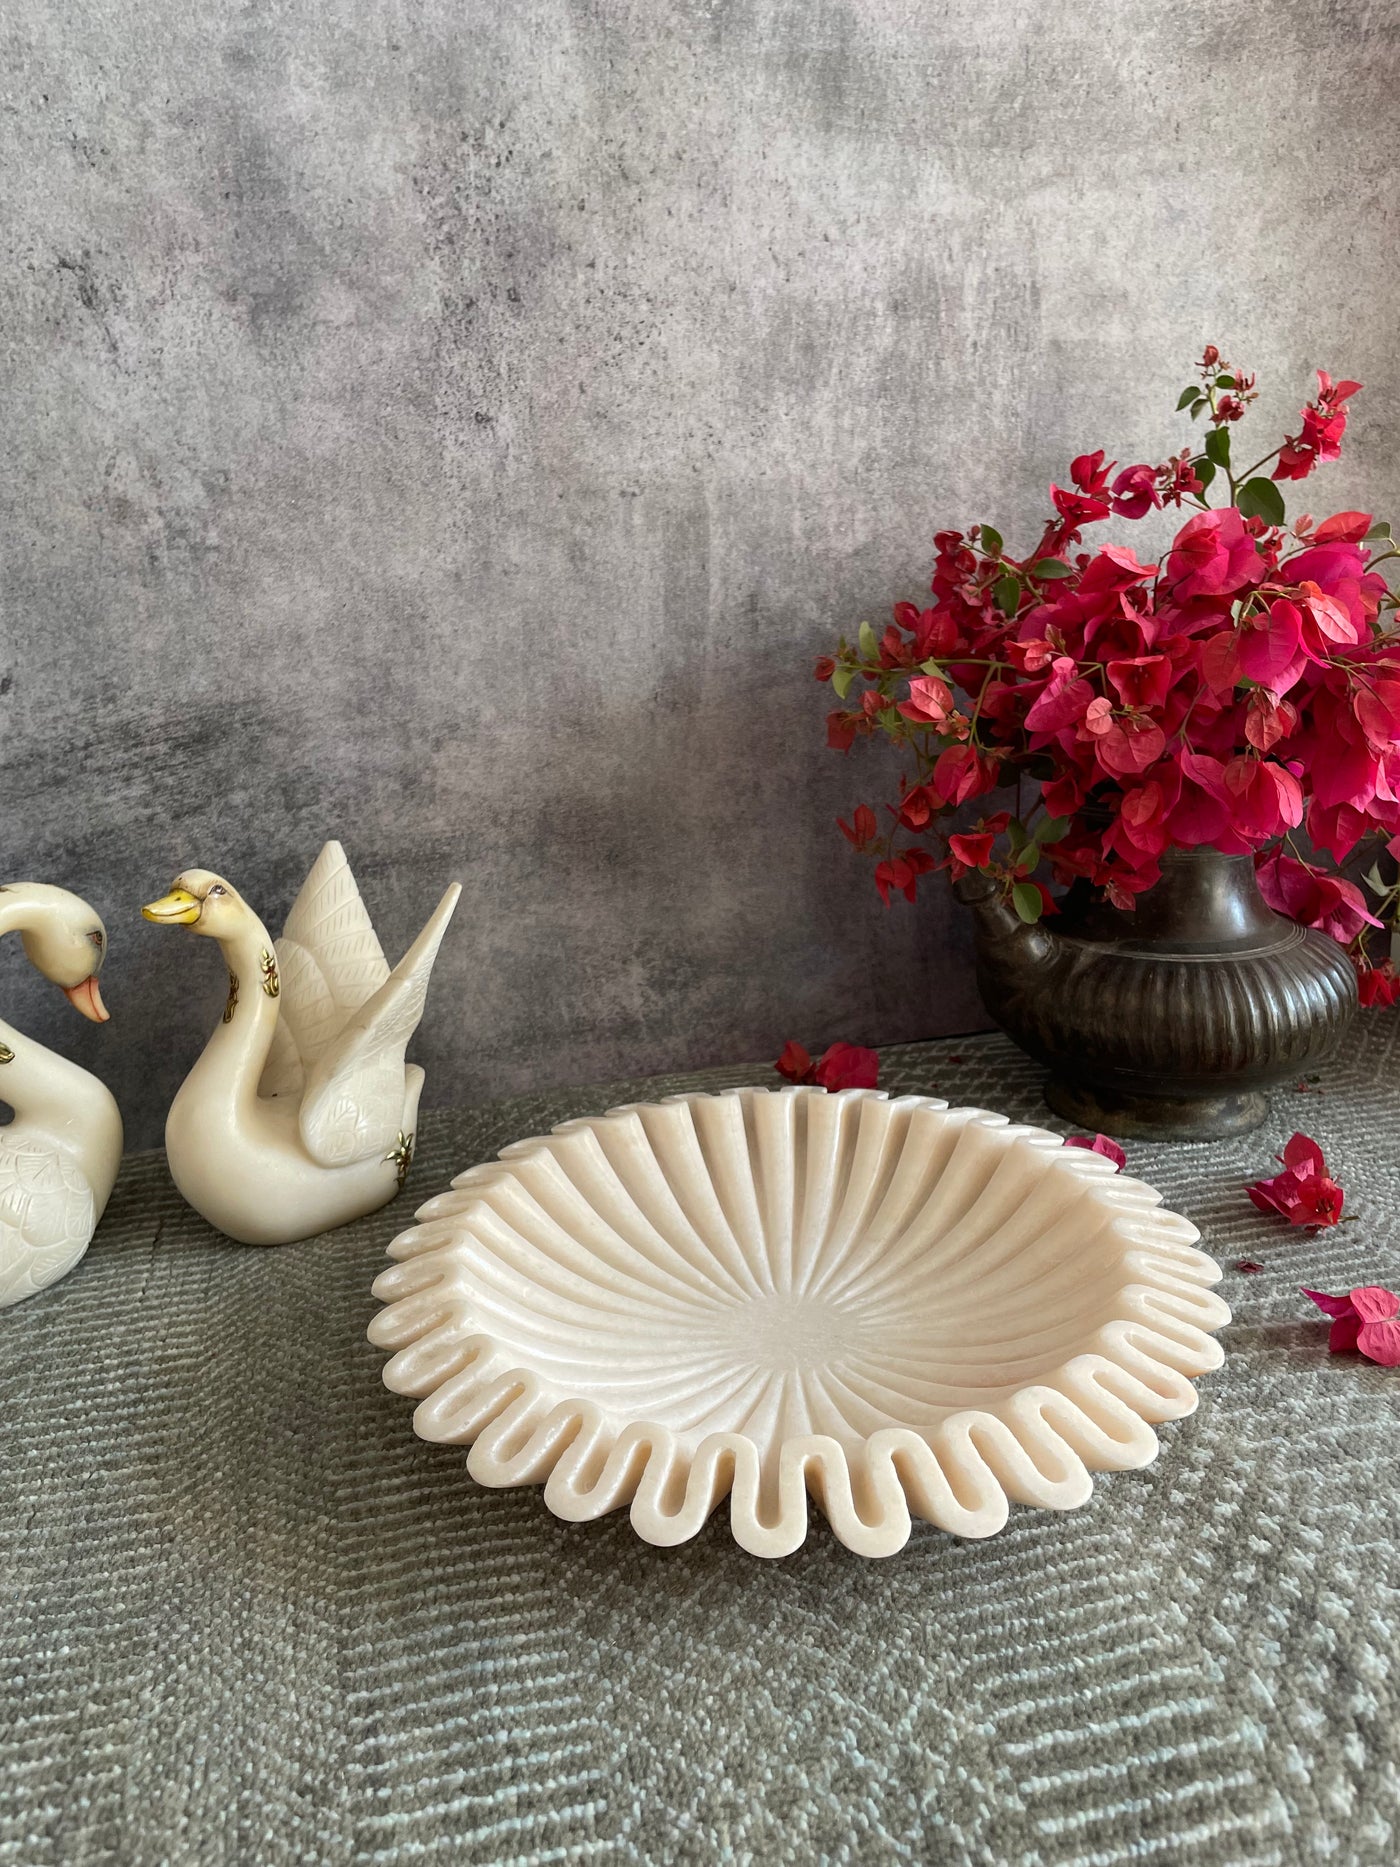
(1173, 1021)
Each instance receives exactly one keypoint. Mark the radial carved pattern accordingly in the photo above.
(892, 1306)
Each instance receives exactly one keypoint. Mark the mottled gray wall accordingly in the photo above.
(455, 427)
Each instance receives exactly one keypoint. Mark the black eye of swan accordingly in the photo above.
(98, 938)
(218, 889)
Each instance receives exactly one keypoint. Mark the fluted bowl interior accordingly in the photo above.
(889, 1306)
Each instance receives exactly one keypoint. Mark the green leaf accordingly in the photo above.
(1377, 532)
(1008, 594)
(1218, 446)
(869, 646)
(1204, 470)
(1050, 830)
(931, 667)
(1261, 499)
(1017, 836)
(991, 540)
(1027, 901)
(1372, 879)
(842, 676)
(1224, 382)
(1200, 403)
(1188, 395)
(1051, 567)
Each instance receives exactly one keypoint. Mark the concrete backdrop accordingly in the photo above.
(455, 427)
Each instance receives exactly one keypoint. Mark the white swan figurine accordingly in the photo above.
(59, 1156)
(300, 1113)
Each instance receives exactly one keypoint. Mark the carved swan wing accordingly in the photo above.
(353, 1102)
(330, 962)
(47, 1214)
(344, 1019)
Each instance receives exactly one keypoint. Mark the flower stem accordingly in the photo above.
(1250, 472)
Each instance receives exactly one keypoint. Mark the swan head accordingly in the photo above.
(67, 943)
(203, 902)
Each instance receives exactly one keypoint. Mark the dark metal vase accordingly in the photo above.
(1172, 1022)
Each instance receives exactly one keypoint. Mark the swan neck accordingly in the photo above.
(233, 1059)
(17, 908)
(23, 908)
(34, 1080)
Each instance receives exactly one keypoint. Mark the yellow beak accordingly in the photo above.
(177, 909)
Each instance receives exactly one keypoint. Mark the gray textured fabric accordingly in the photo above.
(248, 1618)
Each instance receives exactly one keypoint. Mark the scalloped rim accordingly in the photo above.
(1038, 1447)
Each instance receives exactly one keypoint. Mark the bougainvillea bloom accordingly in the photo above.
(1178, 480)
(929, 699)
(902, 873)
(1078, 508)
(1135, 492)
(840, 1066)
(1267, 721)
(1377, 985)
(840, 731)
(1099, 1144)
(969, 851)
(1367, 1318)
(1267, 648)
(1242, 694)
(1324, 424)
(1328, 902)
(1303, 1193)
(962, 772)
(1212, 555)
(1348, 527)
(863, 828)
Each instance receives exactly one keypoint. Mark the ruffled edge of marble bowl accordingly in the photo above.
(1038, 1447)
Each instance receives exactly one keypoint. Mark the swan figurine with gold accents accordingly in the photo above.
(59, 1155)
(300, 1113)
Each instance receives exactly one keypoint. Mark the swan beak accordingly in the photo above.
(88, 1000)
(177, 909)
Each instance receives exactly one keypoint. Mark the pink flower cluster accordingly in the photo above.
(1376, 985)
(1245, 688)
(840, 1066)
(1304, 1193)
(1324, 424)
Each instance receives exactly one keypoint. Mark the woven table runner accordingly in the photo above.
(248, 1618)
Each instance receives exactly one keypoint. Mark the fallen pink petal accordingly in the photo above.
(1366, 1318)
(1379, 1336)
(1099, 1144)
(794, 1063)
(847, 1066)
(840, 1066)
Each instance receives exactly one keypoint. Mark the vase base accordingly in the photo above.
(1157, 1118)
